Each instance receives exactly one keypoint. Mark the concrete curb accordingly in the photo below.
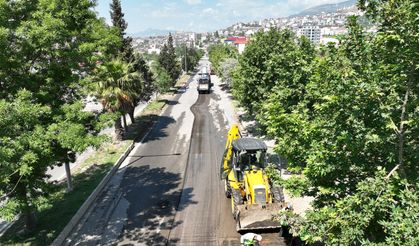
(6, 227)
(91, 199)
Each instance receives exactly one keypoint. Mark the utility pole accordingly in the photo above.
(186, 64)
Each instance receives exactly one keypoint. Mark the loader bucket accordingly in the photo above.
(257, 217)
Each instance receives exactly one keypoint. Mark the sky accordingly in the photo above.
(201, 15)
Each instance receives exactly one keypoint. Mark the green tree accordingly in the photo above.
(139, 64)
(219, 52)
(190, 54)
(168, 60)
(356, 116)
(127, 52)
(383, 211)
(121, 25)
(162, 80)
(163, 58)
(273, 62)
(226, 70)
(49, 47)
(25, 154)
(117, 87)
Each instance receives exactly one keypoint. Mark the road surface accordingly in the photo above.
(168, 192)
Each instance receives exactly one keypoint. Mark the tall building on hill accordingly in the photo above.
(313, 33)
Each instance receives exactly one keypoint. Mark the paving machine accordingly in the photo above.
(253, 197)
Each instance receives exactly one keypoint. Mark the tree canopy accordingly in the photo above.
(218, 52)
(168, 60)
(121, 25)
(345, 117)
(48, 49)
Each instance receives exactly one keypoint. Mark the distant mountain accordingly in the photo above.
(151, 32)
(327, 8)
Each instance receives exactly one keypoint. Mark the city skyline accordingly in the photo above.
(201, 15)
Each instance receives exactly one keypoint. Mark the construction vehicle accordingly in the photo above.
(204, 85)
(204, 81)
(254, 199)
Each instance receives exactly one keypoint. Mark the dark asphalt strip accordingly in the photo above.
(184, 172)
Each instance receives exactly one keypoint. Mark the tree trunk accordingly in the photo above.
(124, 119)
(68, 174)
(402, 130)
(131, 110)
(30, 219)
(119, 131)
(27, 210)
(131, 114)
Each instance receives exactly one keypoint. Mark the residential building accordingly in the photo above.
(313, 33)
(239, 42)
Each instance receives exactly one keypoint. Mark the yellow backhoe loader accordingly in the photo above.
(253, 198)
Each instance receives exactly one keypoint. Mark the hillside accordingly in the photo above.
(325, 8)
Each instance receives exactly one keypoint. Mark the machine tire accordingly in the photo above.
(278, 194)
(236, 199)
(227, 189)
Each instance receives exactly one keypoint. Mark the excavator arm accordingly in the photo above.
(233, 134)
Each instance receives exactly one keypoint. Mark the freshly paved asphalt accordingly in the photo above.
(207, 220)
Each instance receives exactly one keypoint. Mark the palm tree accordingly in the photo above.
(118, 86)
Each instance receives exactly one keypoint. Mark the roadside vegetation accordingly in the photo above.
(219, 53)
(345, 117)
(54, 56)
(189, 57)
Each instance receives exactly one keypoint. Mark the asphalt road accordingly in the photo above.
(208, 220)
(168, 192)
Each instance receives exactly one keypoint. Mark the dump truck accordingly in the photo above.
(254, 199)
(204, 81)
(204, 85)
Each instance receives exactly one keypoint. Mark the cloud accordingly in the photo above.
(199, 15)
(209, 11)
(193, 2)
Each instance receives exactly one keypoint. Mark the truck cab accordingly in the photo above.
(204, 85)
(204, 81)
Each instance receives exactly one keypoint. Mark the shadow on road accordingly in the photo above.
(62, 206)
(153, 194)
(142, 124)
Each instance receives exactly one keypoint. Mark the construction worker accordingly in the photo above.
(250, 239)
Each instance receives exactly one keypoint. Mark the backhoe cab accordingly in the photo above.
(253, 198)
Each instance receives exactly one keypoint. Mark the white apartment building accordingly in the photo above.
(313, 33)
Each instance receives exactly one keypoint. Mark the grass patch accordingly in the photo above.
(154, 107)
(182, 80)
(63, 206)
